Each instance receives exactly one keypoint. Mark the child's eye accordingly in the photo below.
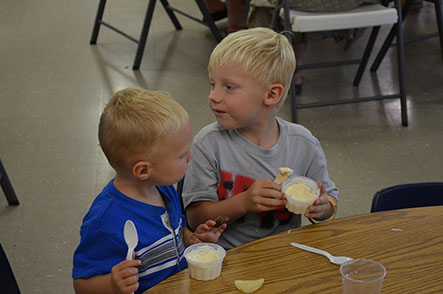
(212, 85)
(230, 87)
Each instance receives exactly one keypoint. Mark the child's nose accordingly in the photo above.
(213, 96)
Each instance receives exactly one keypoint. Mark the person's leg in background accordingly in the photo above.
(216, 8)
(236, 15)
(299, 50)
(234, 10)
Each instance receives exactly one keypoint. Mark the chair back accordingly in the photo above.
(361, 17)
(8, 284)
(408, 196)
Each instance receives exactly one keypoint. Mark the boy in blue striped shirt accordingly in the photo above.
(146, 138)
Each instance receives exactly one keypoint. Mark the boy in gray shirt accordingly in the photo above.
(236, 158)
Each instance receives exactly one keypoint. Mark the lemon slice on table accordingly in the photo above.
(249, 286)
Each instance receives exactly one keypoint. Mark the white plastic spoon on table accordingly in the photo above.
(334, 259)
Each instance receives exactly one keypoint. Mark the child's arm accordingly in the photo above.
(206, 232)
(322, 209)
(122, 280)
(263, 195)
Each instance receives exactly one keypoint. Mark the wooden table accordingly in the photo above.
(408, 242)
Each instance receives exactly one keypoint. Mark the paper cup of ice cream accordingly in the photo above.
(300, 192)
(205, 260)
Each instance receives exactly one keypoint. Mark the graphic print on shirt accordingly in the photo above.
(232, 185)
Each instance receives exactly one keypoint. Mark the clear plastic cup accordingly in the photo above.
(362, 276)
(304, 192)
(201, 269)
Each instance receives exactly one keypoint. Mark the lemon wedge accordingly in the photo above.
(249, 286)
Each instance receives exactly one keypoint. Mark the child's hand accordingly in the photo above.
(124, 279)
(263, 195)
(207, 232)
(321, 208)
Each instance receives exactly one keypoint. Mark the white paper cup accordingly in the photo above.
(204, 271)
(295, 202)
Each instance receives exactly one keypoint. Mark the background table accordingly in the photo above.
(408, 242)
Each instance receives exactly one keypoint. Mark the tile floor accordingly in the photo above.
(53, 86)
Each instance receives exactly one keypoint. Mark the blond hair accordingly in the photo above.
(134, 120)
(265, 55)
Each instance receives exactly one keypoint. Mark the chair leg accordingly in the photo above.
(207, 18)
(7, 186)
(293, 97)
(439, 13)
(381, 54)
(171, 15)
(98, 19)
(147, 24)
(366, 54)
(288, 30)
(144, 35)
(401, 66)
(286, 20)
(276, 15)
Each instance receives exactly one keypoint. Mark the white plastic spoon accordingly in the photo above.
(131, 237)
(334, 259)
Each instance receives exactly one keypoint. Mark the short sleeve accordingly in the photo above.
(319, 172)
(96, 254)
(201, 178)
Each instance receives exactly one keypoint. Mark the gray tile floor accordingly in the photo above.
(53, 86)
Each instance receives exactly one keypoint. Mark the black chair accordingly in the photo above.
(8, 284)
(7, 186)
(206, 20)
(408, 196)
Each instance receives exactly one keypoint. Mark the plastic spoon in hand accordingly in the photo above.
(131, 238)
(334, 259)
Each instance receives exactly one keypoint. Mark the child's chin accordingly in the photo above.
(226, 126)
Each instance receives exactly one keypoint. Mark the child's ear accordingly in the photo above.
(142, 170)
(274, 94)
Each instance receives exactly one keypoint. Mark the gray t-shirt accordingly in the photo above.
(226, 163)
